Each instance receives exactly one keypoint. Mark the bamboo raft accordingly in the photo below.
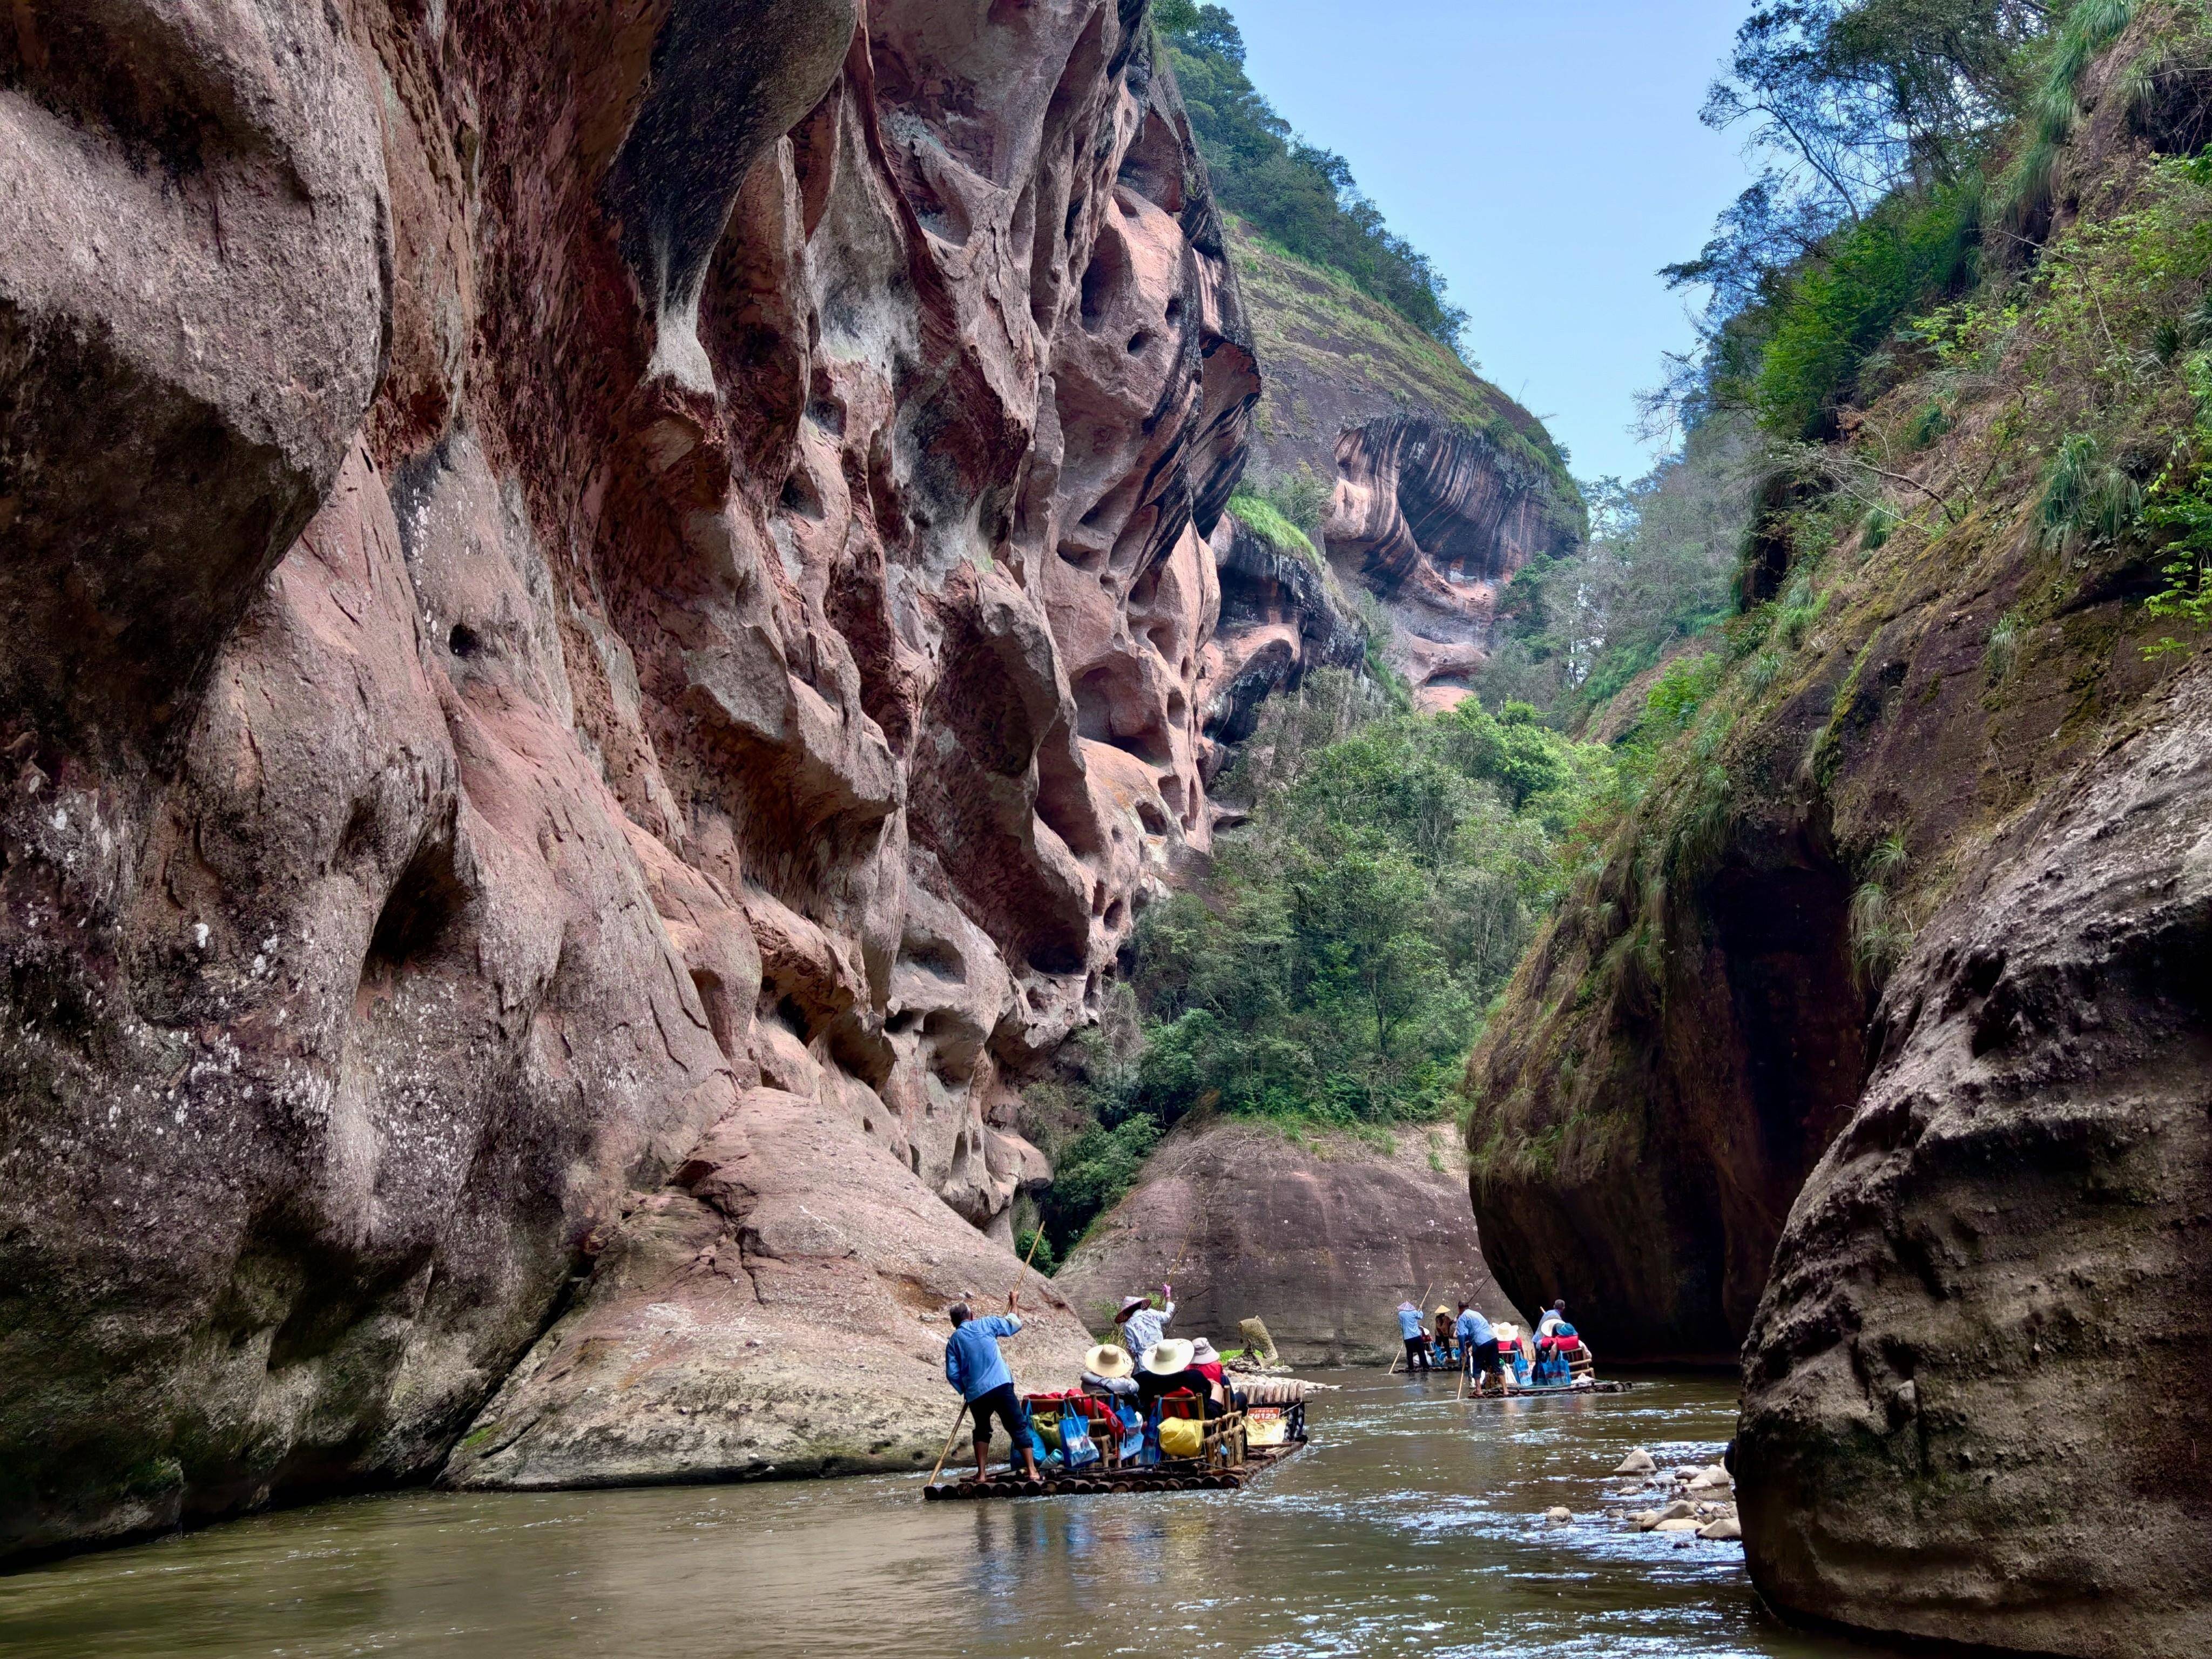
(1188, 1476)
(1518, 1391)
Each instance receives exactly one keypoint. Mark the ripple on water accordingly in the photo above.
(1412, 1527)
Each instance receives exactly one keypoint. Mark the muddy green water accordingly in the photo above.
(1410, 1527)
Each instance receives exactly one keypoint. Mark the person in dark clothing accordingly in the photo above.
(1168, 1366)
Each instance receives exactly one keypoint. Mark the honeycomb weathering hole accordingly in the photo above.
(418, 915)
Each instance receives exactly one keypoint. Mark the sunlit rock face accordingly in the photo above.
(1435, 519)
(604, 610)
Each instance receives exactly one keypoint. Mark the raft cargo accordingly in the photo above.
(1264, 1429)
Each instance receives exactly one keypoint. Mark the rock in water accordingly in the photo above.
(1638, 1462)
(591, 670)
(1300, 1234)
(1986, 1338)
(1558, 1516)
(1722, 1530)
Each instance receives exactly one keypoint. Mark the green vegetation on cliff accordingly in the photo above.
(1943, 515)
(1302, 197)
(1336, 966)
(1334, 355)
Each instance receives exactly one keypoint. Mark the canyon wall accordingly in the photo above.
(1876, 1039)
(1440, 487)
(605, 602)
(1282, 617)
(1321, 1237)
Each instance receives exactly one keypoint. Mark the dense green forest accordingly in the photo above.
(1907, 217)
(1303, 197)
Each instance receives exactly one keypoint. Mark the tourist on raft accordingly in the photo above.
(1417, 1339)
(1142, 1325)
(1478, 1347)
(1206, 1362)
(1167, 1368)
(1108, 1372)
(1555, 1316)
(973, 1365)
(1444, 1352)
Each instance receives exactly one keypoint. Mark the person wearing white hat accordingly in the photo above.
(1410, 1327)
(1167, 1367)
(1206, 1362)
(1143, 1325)
(1108, 1370)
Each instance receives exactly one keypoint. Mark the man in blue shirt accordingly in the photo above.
(1478, 1346)
(1417, 1339)
(973, 1365)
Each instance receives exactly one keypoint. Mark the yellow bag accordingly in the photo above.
(1182, 1436)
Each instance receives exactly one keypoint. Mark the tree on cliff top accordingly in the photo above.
(1303, 196)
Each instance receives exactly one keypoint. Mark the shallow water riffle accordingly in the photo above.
(1413, 1525)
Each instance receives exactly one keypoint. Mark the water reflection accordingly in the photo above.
(1409, 1529)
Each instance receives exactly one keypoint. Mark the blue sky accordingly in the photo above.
(1545, 154)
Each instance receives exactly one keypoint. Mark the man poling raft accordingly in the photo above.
(1173, 1419)
(973, 1365)
(1495, 1361)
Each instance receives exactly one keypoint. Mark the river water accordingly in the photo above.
(1411, 1525)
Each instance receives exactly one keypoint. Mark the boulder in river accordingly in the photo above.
(1638, 1462)
(1985, 1342)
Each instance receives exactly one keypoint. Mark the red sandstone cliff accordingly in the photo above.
(603, 604)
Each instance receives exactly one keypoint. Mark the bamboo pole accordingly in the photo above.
(950, 1434)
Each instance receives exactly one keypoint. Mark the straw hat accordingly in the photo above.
(1130, 1305)
(1168, 1357)
(1202, 1352)
(1110, 1360)
(1442, 1312)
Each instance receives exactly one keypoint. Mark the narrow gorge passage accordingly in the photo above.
(687, 684)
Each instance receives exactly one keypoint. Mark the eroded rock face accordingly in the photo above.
(1647, 1183)
(778, 1310)
(1444, 486)
(1280, 620)
(1435, 519)
(1320, 1240)
(1976, 1383)
(596, 675)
